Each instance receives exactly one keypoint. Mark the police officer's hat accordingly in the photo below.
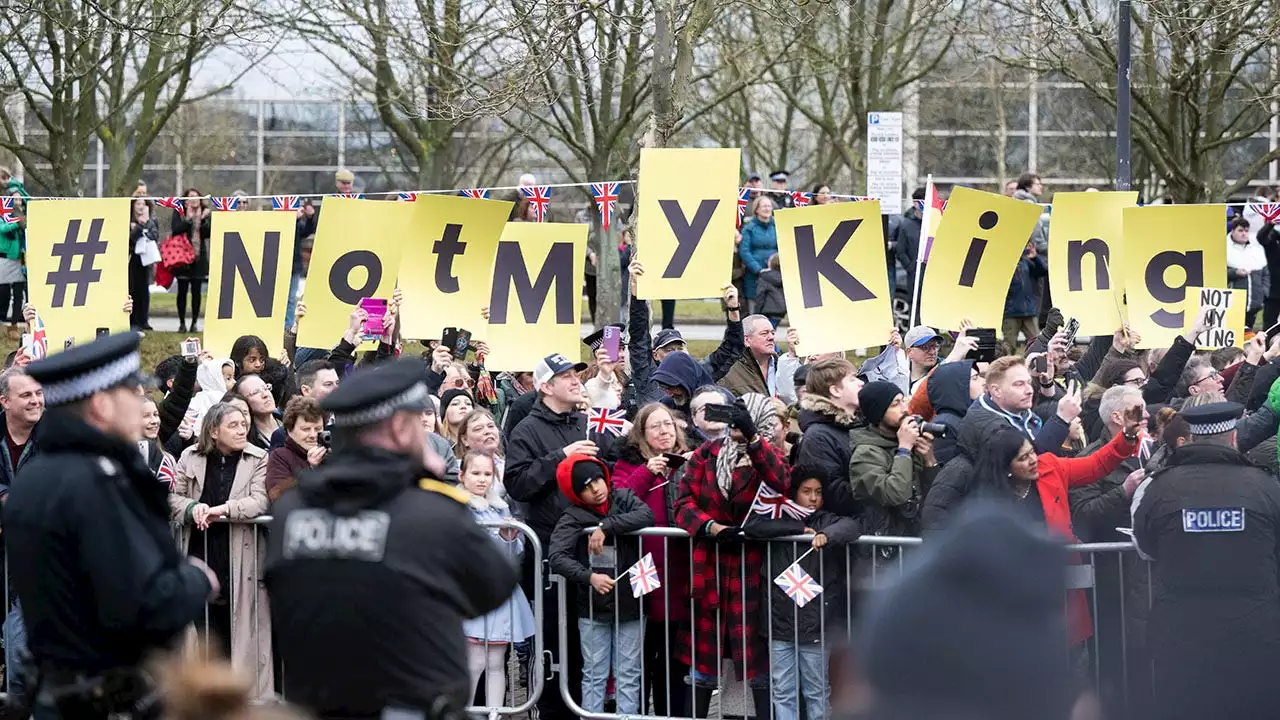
(1213, 418)
(595, 340)
(373, 395)
(75, 374)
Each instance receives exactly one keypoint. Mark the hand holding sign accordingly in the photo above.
(1255, 348)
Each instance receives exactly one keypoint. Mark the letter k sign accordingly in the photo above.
(812, 263)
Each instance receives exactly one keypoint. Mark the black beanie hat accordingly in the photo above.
(584, 473)
(875, 399)
(981, 607)
(449, 396)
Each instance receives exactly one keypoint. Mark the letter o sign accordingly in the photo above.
(340, 276)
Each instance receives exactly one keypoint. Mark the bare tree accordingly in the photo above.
(1202, 77)
(117, 71)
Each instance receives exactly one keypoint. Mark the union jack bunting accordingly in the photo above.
(286, 202)
(1270, 212)
(798, 585)
(354, 196)
(225, 203)
(7, 215)
(774, 505)
(173, 203)
(407, 196)
(539, 197)
(39, 339)
(604, 420)
(801, 199)
(644, 576)
(477, 193)
(860, 198)
(165, 473)
(744, 199)
(606, 195)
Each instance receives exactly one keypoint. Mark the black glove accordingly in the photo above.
(1052, 324)
(730, 536)
(742, 421)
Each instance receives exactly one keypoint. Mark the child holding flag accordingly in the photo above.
(608, 617)
(798, 661)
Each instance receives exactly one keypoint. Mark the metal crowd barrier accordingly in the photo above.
(871, 563)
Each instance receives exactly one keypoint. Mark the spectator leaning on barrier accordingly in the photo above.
(892, 465)
(608, 616)
(223, 477)
(756, 370)
(828, 413)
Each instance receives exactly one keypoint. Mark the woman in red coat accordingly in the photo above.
(1009, 467)
(720, 484)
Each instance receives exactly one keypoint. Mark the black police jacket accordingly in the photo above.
(370, 571)
(100, 578)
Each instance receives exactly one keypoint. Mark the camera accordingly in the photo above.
(935, 429)
(324, 439)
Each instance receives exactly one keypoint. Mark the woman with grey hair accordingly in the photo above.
(220, 485)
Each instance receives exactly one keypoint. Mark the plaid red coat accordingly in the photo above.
(727, 607)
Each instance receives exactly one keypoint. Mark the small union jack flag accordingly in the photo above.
(1270, 212)
(744, 199)
(173, 203)
(477, 193)
(540, 198)
(644, 576)
(225, 203)
(774, 504)
(7, 215)
(354, 196)
(606, 195)
(407, 196)
(166, 473)
(798, 585)
(801, 199)
(39, 339)
(604, 420)
(286, 202)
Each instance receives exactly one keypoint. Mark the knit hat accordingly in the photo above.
(450, 395)
(981, 608)
(575, 473)
(875, 399)
(585, 473)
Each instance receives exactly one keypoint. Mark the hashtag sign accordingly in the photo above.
(67, 251)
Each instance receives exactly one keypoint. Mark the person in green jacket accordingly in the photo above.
(13, 279)
(892, 463)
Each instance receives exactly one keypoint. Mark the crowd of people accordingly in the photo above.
(1063, 433)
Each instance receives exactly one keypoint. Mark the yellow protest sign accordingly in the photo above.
(1225, 318)
(250, 264)
(535, 301)
(835, 299)
(687, 213)
(356, 255)
(979, 242)
(1084, 244)
(1168, 248)
(77, 269)
(445, 278)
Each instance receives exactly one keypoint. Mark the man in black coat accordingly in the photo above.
(828, 413)
(1209, 522)
(101, 581)
(372, 565)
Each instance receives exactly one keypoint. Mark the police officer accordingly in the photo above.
(100, 578)
(372, 565)
(1209, 522)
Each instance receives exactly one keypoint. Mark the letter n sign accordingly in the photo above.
(511, 272)
(236, 263)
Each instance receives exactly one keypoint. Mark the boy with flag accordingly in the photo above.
(798, 623)
(608, 617)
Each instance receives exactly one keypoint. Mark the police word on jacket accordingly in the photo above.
(1209, 522)
(101, 581)
(372, 565)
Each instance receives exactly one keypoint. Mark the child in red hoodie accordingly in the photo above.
(608, 617)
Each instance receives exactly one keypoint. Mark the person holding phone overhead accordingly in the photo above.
(194, 223)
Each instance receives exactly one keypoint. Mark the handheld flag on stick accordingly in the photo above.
(644, 576)
(165, 473)
(1269, 212)
(798, 584)
(39, 339)
(604, 420)
(774, 505)
(931, 212)
(7, 214)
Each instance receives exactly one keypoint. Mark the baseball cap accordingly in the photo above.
(667, 336)
(552, 365)
(919, 335)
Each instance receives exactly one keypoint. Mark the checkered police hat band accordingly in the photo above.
(383, 410)
(103, 377)
(1213, 428)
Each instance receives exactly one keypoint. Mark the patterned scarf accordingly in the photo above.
(734, 454)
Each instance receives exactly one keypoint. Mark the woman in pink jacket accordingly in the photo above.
(650, 467)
